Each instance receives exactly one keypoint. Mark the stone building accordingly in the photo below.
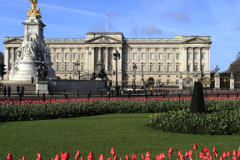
(158, 60)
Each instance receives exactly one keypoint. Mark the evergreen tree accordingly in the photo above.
(197, 103)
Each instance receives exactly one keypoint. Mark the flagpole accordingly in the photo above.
(107, 22)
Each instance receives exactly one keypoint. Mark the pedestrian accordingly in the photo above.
(1, 87)
(4, 91)
(32, 79)
(9, 90)
(22, 91)
(144, 87)
(134, 87)
(18, 89)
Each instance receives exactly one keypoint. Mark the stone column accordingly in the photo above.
(70, 59)
(106, 60)
(199, 59)
(231, 82)
(99, 54)
(92, 59)
(54, 57)
(192, 63)
(62, 59)
(207, 59)
(164, 59)
(217, 81)
(156, 59)
(147, 59)
(6, 62)
(130, 59)
(87, 59)
(173, 59)
(180, 82)
(139, 58)
(121, 59)
(14, 53)
(184, 59)
(79, 55)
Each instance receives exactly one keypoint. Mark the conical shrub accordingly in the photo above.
(197, 103)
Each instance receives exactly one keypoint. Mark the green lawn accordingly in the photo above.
(127, 133)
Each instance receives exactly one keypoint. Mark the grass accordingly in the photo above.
(127, 133)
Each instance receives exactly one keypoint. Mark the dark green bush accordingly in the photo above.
(197, 102)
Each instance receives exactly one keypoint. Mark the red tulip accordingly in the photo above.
(143, 157)
(56, 157)
(214, 149)
(158, 157)
(162, 155)
(234, 158)
(170, 152)
(181, 157)
(110, 158)
(190, 153)
(239, 149)
(127, 157)
(195, 146)
(120, 158)
(186, 154)
(81, 158)
(210, 157)
(101, 157)
(23, 158)
(208, 153)
(9, 156)
(112, 151)
(220, 158)
(134, 157)
(147, 154)
(65, 156)
(115, 157)
(39, 156)
(216, 154)
(177, 159)
(90, 156)
(224, 155)
(234, 153)
(205, 149)
(201, 155)
(179, 153)
(77, 156)
(228, 154)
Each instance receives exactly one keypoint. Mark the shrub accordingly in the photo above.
(197, 103)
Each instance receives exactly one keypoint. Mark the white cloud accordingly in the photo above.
(151, 30)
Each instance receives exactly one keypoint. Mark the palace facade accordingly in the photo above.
(158, 60)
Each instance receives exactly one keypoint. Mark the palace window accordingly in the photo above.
(202, 68)
(151, 56)
(58, 56)
(96, 67)
(74, 67)
(10, 66)
(66, 56)
(103, 55)
(103, 66)
(142, 67)
(74, 56)
(134, 56)
(195, 56)
(169, 56)
(160, 67)
(177, 68)
(58, 67)
(188, 68)
(168, 68)
(168, 82)
(151, 67)
(125, 56)
(82, 55)
(177, 82)
(82, 67)
(125, 67)
(202, 56)
(188, 56)
(160, 56)
(177, 56)
(195, 68)
(143, 56)
(110, 56)
(110, 67)
(10, 55)
(66, 67)
(96, 55)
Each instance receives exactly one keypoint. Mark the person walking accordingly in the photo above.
(9, 90)
(32, 79)
(18, 89)
(22, 91)
(4, 91)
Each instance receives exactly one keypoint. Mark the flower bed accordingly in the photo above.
(204, 155)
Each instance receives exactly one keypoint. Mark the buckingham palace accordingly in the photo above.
(152, 60)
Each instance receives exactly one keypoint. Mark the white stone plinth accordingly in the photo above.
(42, 86)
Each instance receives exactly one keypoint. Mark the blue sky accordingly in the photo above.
(219, 19)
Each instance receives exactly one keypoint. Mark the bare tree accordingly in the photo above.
(235, 66)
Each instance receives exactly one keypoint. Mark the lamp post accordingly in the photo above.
(116, 56)
(78, 71)
(134, 69)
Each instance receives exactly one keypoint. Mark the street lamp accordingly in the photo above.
(134, 69)
(78, 71)
(116, 56)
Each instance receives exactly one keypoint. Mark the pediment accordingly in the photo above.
(103, 39)
(14, 41)
(197, 40)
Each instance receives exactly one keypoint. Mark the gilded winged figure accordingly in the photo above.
(34, 2)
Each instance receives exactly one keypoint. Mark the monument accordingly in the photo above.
(33, 53)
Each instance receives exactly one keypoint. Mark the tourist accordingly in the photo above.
(18, 90)
(9, 90)
(4, 91)
(32, 79)
(134, 87)
(1, 87)
(22, 91)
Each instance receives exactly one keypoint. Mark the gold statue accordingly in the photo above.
(34, 10)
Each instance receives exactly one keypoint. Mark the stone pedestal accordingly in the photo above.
(217, 81)
(180, 82)
(231, 83)
(42, 86)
